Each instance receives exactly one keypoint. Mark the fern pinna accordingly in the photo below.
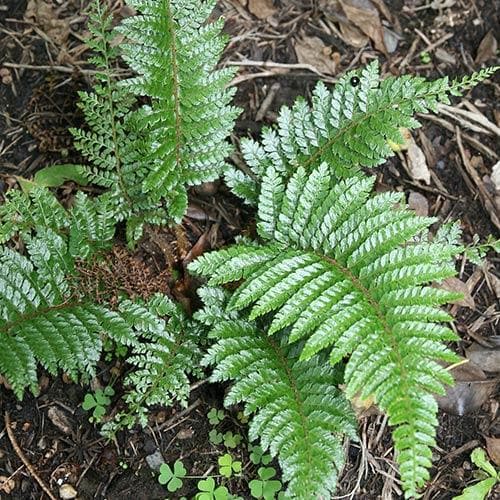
(298, 412)
(148, 156)
(48, 318)
(346, 273)
(348, 127)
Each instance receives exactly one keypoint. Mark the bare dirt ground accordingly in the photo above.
(282, 48)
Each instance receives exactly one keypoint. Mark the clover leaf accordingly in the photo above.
(208, 491)
(172, 478)
(215, 416)
(227, 465)
(265, 487)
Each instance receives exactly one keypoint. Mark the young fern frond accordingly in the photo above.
(299, 414)
(348, 127)
(174, 52)
(164, 353)
(347, 273)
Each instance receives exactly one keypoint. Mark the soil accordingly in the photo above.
(41, 77)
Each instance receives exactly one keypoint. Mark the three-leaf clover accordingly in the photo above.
(489, 475)
(257, 455)
(98, 401)
(242, 417)
(231, 440)
(215, 416)
(215, 436)
(227, 465)
(265, 487)
(172, 478)
(208, 491)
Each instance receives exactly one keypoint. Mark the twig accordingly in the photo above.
(62, 69)
(23, 458)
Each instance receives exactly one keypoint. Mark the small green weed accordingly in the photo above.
(227, 465)
(173, 478)
(487, 475)
(266, 487)
(99, 401)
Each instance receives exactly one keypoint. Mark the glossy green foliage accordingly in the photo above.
(147, 156)
(44, 318)
(297, 411)
(348, 127)
(343, 272)
(164, 354)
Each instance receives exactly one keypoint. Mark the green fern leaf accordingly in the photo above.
(348, 127)
(298, 413)
(347, 273)
(164, 353)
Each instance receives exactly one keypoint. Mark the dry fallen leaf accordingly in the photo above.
(453, 284)
(493, 449)
(312, 50)
(352, 35)
(487, 48)
(417, 163)
(488, 358)
(364, 15)
(261, 8)
(471, 390)
(59, 418)
(43, 15)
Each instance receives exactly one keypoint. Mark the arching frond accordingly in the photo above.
(345, 272)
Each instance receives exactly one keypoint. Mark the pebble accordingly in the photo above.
(155, 460)
(66, 492)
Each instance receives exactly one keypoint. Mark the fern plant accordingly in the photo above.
(298, 412)
(147, 156)
(345, 273)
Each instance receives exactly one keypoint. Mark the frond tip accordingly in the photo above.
(346, 273)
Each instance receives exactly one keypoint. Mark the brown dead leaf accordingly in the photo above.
(471, 390)
(364, 15)
(495, 176)
(352, 35)
(488, 358)
(493, 449)
(418, 202)
(43, 15)
(487, 48)
(453, 284)
(417, 163)
(261, 8)
(312, 50)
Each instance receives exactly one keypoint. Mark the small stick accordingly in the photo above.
(23, 458)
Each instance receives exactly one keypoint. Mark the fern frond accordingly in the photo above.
(298, 413)
(21, 212)
(347, 273)
(174, 52)
(164, 354)
(348, 127)
(43, 321)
